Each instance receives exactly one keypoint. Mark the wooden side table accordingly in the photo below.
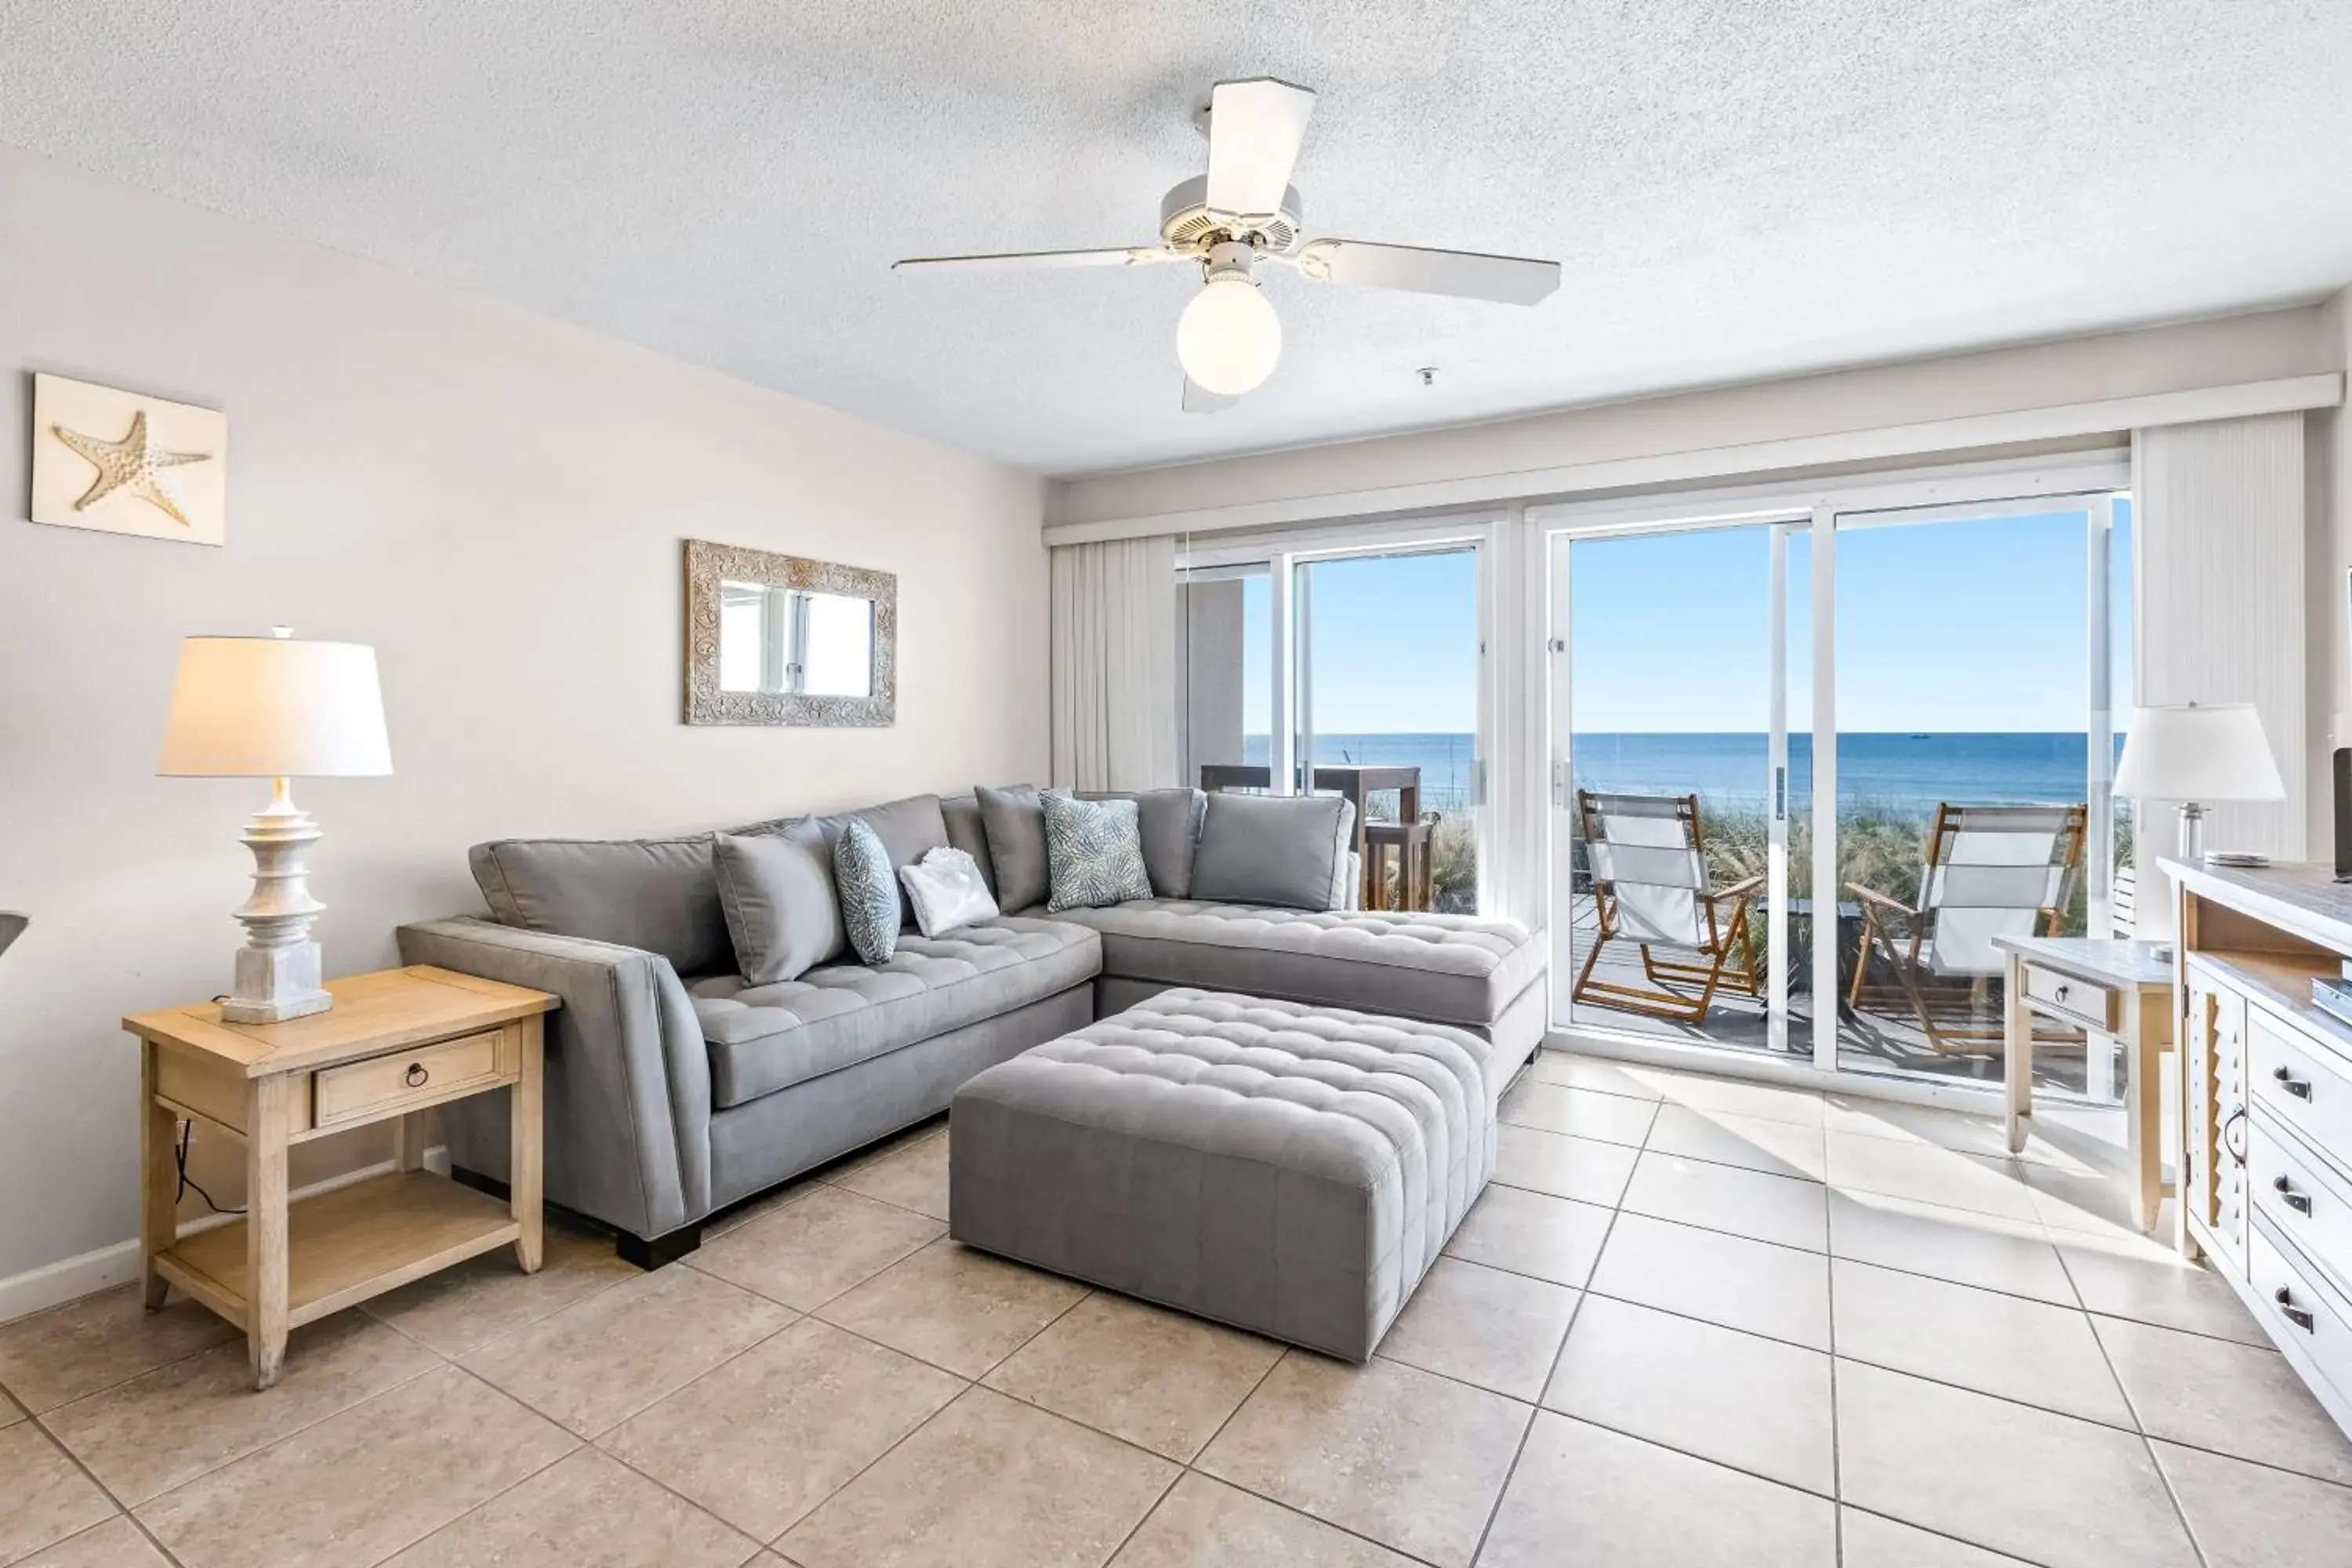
(394, 1044)
(2109, 987)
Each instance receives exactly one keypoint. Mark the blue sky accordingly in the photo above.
(1974, 625)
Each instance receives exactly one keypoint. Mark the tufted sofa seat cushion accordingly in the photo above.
(1454, 969)
(763, 1038)
(1291, 1169)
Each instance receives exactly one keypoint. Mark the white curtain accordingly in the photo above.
(2219, 581)
(1115, 663)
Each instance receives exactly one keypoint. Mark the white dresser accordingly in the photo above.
(2265, 1098)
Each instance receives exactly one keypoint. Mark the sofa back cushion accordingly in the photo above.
(968, 832)
(657, 894)
(1170, 820)
(776, 891)
(1285, 851)
(908, 829)
(1015, 825)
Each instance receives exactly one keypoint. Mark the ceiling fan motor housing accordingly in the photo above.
(1187, 223)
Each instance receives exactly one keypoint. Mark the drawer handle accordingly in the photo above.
(2060, 994)
(2299, 1202)
(2295, 1086)
(2300, 1317)
(416, 1075)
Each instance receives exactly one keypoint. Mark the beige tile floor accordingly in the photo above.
(1693, 1322)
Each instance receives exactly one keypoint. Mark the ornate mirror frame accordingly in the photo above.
(709, 564)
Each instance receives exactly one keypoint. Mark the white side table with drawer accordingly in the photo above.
(395, 1044)
(2109, 987)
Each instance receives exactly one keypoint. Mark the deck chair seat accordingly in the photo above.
(1651, 883)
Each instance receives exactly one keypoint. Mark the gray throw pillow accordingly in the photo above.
(968, 832)
(777, 891)
(1283, 851)
(657, 894)
(1015, 825)
(1094, 850)
(869, 891)
(1170, 822)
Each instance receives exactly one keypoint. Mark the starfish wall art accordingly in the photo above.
(118, 462)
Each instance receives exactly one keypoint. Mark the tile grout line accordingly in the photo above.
(968, 1384)
(761, 1544)
(579, 1442)
(124, 1509)
(1837, 1422)
(1192, 1466)
(1576, 1315)
(216, 1467)
(2146, 1443)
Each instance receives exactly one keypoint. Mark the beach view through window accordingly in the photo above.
(1964, 697)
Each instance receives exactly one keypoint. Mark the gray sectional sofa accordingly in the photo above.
(675, 1090)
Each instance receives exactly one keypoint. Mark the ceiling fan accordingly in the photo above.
(1243, 214)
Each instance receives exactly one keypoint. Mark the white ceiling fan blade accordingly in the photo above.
(1125, 255)
(1508, 280)
(1199, 399)
(1254, 130)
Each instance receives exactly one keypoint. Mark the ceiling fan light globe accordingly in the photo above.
(1229, 337)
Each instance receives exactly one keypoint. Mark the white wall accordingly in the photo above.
(2083, 370)
(496, 502)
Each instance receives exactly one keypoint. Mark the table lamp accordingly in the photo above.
(277, 708)
(2198, 754)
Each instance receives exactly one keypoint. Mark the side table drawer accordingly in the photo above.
(2082, 1001)
(381, 1086)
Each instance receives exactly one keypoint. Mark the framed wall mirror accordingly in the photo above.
(782, 639)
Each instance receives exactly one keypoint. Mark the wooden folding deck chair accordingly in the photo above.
(1652, 889)
(1990, 870)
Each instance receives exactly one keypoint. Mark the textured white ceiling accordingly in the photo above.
(1736, 188)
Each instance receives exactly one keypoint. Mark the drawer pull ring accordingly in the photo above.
(2296, 1315)
(2299, 1202)
(2060, 994)
(2294, 1085)
(416, 1075)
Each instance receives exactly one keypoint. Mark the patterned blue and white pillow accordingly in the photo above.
(1094, 853)
(868, 891)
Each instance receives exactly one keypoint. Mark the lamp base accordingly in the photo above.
(275, 983)
(278, 969)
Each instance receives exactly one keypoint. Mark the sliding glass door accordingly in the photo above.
(1355, 670)
(1387, 677)
(1977, 693)
(1960, 671)
(1682, 799)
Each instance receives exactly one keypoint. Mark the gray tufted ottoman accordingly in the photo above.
(1285, 1168)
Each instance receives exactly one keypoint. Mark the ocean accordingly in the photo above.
(1906, 771)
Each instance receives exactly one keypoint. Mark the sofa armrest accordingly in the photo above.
(628, 1077)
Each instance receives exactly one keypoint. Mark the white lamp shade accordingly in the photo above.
(2199, 752)
(274, 708)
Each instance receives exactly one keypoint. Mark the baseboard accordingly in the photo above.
(71, 1278)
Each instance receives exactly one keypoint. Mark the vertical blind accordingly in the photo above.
(2220, 575)
(1114, 663)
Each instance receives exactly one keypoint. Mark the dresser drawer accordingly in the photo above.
(2302, 1199)
(383, 1086)
(2085, 1002)
(2298, 1310)
(2300, 1082)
